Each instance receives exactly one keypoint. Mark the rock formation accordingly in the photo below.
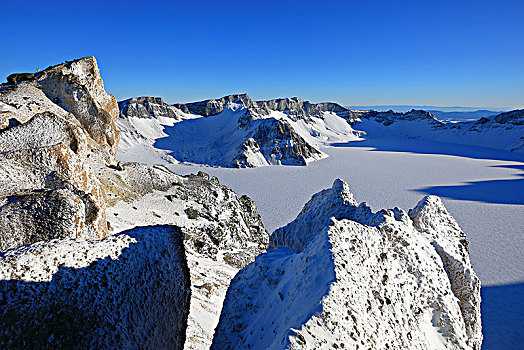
(69, 271)
(345, 277)
(233, 131)
(76, 87)
(123, 291)
(146, 107)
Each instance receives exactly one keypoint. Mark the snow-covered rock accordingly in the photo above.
(146, 107)
(127, 290)
(222, 232)
(345, 277)
(61, 187)
(76, 87)
(233, 131)
(503, 131)
(46, 188)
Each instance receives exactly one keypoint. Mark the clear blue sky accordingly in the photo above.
(465, 53)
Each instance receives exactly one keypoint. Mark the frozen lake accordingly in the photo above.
(482, 188)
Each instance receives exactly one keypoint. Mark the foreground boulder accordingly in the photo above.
(126, 291)
(342, 276)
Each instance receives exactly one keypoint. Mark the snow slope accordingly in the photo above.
(238, 135)
(503, 131)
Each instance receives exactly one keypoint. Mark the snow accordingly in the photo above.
(389, 173)
(482, 188)
(365, 279)
(387, 179)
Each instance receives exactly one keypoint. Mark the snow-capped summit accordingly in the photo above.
(344, 277)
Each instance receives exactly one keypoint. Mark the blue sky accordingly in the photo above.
(459, 53)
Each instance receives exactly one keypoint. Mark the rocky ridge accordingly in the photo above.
(256, 133)
(502, 131)
(66, 201)
(345, 277)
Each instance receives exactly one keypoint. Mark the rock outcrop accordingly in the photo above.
(278, 143)
(146, 107)
(76, 87)
(345, 277)
(46, 188)
(68, 271)
(127, 290)
(222, 232)
(56, 123)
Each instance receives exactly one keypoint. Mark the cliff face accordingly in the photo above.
(76, 87)
(146, 107)
(345, 277)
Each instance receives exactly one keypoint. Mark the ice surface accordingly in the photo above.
(390, 173)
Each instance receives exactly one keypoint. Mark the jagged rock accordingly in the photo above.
(222, 232)
(46, 189)
(354, 279)
(146, 107)
(75, 87)
(128, 289)
(278, 143)
(213, 107)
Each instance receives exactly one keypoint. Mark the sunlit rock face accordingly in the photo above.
(77, 87)
(342, 276)
(47, 190)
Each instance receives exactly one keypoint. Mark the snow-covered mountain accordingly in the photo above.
(233, 131)
(503, 131)
(100, 253)
(342, 276)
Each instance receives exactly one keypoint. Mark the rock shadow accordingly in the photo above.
(503, 316)
(138, 300)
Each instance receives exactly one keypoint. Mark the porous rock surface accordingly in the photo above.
(126, 291)
(345, 277)
(76, 87)
(46, 188)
